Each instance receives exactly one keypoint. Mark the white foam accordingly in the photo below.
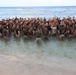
(19, 9)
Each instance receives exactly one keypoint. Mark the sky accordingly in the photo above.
(7, 3)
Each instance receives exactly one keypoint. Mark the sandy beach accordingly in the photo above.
(28, 65)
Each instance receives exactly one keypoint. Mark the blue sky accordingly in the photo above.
(37, 2)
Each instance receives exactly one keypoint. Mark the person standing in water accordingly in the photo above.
(38, 35)
(1, 30)
(17, 32)
(25, 33)
(6, 33)
(74, 34)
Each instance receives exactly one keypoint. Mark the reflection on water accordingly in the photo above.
(52, 47)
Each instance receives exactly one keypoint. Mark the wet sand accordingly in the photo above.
(30, 65)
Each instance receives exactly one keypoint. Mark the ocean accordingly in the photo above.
(31, 12)
(61, 54)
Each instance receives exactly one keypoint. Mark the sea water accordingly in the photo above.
(31, 12)
(52, 47)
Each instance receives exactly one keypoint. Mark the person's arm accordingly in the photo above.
(58, 32)
(18, 35)
(49, 33)
(0, 34)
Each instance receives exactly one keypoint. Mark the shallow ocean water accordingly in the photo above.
(50, 48)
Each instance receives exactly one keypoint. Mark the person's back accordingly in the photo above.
(38, 36)
(1, 30)
(17, 32)
(53, 30)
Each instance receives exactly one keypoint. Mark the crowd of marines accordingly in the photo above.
(38, 28)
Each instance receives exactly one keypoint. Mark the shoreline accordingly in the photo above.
(28, 65)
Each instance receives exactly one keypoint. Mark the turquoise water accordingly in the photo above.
(52, 47)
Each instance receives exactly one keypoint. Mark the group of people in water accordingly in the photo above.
(38, 28)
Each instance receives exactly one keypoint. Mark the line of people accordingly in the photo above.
(38, 28)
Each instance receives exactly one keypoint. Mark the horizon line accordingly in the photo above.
(38, 6)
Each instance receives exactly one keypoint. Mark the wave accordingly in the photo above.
(19, 9)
